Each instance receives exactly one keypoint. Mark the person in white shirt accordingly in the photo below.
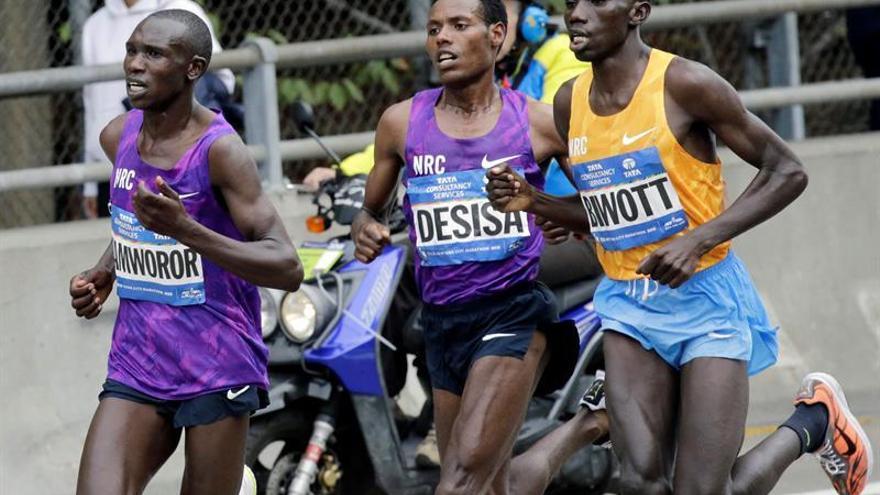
(103, 42)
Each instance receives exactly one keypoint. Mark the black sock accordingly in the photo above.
(810, 423)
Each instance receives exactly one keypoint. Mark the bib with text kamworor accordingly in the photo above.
(153, 267)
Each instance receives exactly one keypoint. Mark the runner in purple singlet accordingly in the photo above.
(491, 333)
(192, 233)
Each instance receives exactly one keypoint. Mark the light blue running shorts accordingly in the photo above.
(717, 313)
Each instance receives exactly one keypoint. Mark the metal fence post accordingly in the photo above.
(784, 69)
(261, 111)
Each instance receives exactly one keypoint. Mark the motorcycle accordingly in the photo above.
(332, 426)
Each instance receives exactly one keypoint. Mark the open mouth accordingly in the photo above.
(445, 59)
(578, 40)
(135, 88)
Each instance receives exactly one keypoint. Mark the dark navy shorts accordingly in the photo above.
(458, 334)
(201, 410)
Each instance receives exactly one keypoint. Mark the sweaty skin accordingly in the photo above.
(648, 401)
(127, 441)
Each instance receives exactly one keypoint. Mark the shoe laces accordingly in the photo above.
(831, 462)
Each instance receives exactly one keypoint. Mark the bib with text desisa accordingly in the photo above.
(629, 199)
(153, 267)
(455, 223)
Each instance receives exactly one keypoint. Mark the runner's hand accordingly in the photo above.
(672, 264)
(553, 234)
(89, 290)
(369, 241)
(507, 190)
(162, 213)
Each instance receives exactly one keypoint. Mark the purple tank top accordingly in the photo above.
(185, 326)
(465, 248)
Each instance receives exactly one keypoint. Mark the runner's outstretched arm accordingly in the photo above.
(369, 234)
(266, 258)
(710, 100)
(510, 192)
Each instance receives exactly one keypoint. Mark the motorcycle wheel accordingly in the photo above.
(272, 437)
(282, 475)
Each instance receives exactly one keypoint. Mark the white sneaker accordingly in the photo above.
(248, 482)
(427, 453)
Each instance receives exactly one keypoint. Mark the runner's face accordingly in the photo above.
(459, 43)
(597, 27)
(156, 63)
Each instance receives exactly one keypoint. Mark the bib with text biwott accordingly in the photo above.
(629, 199)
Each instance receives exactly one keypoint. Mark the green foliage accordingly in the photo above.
(345, 91)
(65, 33)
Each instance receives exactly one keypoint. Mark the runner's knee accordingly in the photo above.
(633, 482)
(703, 484)
(468, 471)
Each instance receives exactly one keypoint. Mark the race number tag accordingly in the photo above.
(629, 199)
(153, 267)
(455, 223)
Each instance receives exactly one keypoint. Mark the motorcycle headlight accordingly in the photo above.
(299, 316)
(268, 312)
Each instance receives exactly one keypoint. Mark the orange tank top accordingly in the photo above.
(639, 186)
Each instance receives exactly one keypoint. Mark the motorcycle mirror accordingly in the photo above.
(304, 116)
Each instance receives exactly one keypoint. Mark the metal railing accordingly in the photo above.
(261, 58)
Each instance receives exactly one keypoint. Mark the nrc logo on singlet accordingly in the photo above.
(429, 164)
(577, 146)
(123, 179)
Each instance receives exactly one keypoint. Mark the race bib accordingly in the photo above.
(629, 199)
(455, 223)
(153, 267)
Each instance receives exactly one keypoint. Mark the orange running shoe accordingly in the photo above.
(845, 454)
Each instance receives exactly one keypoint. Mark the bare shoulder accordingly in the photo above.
(699, 90)
(111, 134)
(396, 117)
(562, 99)
(540, 114)
(392, 128)
(230, 161)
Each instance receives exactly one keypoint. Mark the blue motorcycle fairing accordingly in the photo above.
(350, 350)
(586, 320)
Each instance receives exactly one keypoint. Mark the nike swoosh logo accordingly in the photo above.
(719, 335)
(188, 195)
(487, 163)
(232, 395)
(492, 336)
(630, 140)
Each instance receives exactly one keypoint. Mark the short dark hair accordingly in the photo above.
(198, 36)
(492, 11)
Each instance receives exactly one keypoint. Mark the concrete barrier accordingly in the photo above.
(816, 264)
